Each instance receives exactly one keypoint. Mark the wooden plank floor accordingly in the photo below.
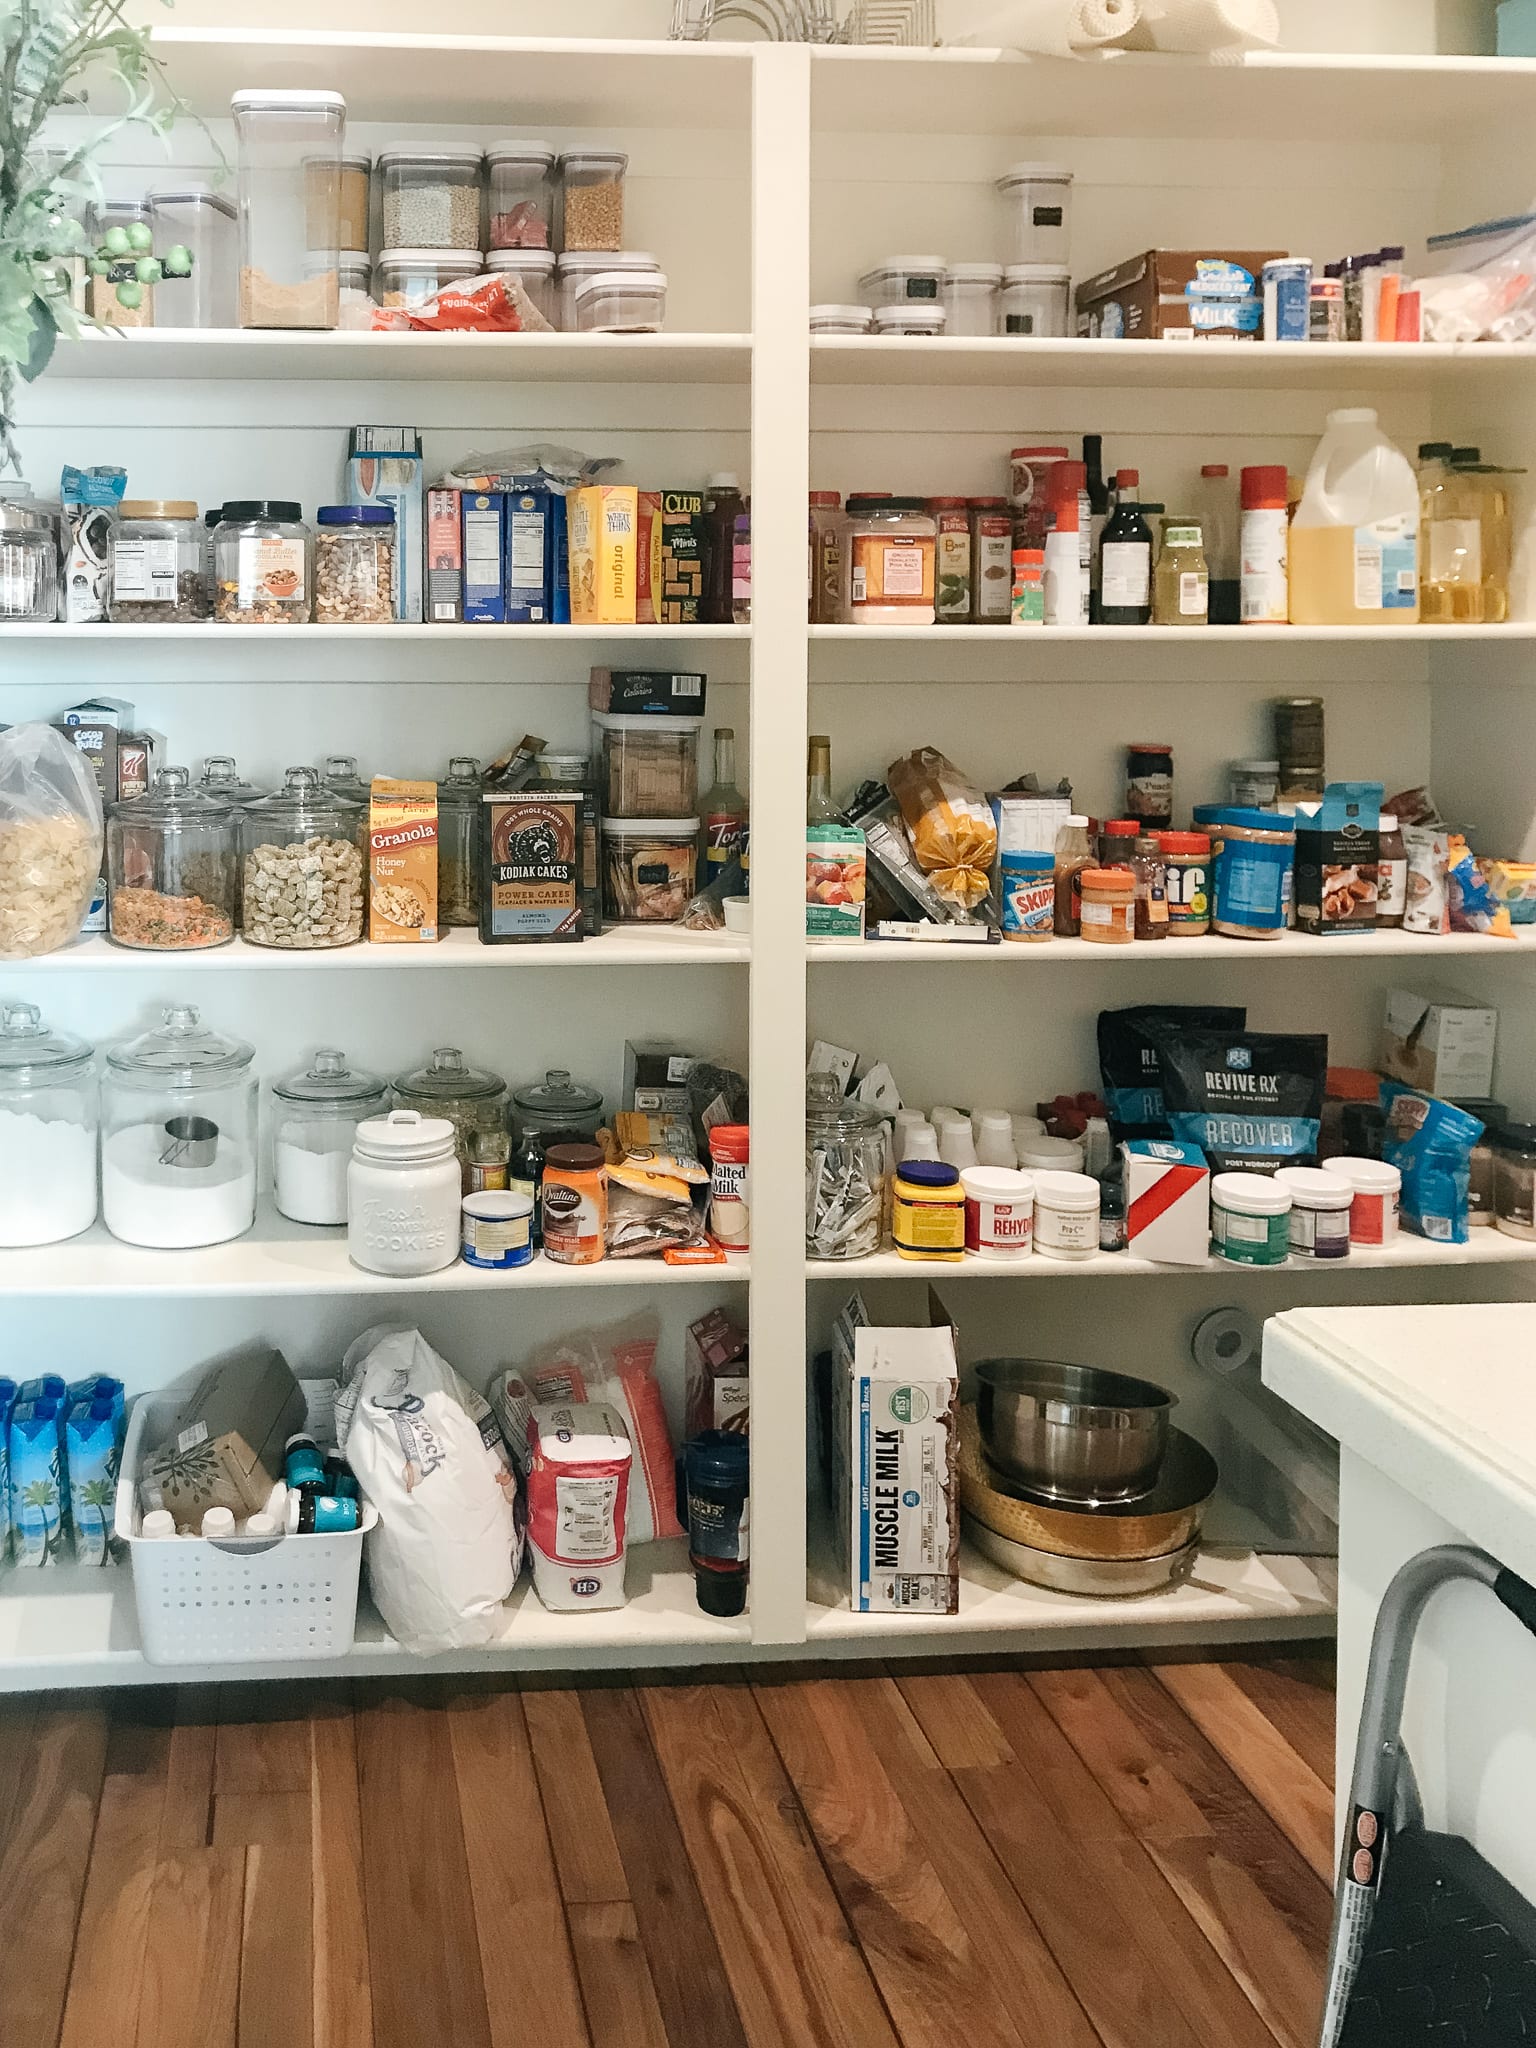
(1115, 1856)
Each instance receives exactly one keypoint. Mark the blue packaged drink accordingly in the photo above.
(38, 1489)
(7, 1403)
(93, 1444)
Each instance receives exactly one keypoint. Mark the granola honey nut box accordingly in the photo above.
(402, 862)
(604, 554)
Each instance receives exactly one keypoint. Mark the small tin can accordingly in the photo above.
(498, 1229)
(1287, 290)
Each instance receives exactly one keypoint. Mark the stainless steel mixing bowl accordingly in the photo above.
(1072, 1432)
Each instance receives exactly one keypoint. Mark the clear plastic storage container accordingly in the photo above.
(520, 179)
(204, 223)
(1039, 200)
(354, 565)
(970, 299)
(458, 827)
(178, 1152)
(262, 564)
(917, 320)
(290, 144)
(622, 302)
(131, 216)
(576, 265)
(302, 867)
(650, 869)
(355, 293)
(592, 198)
(49, 1112)
(534, 269)
(171, 868)
(647, 767)
(157, 563)
(316, 1115)
(904, 280)
(830, 319)
(354, 181)
(409, 277)
(431, 196)
(1035, 300)
(29, 562)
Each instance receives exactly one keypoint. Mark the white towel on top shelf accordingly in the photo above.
(1206, 28)
(1059, 28)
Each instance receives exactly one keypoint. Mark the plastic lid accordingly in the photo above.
(276, 511)
(924, 263)
(1120, 828)
(285, 99)
(1066, 1190)
(172, 799)
(499, 1206)
(637, 721)
(593, 160)
(1149, 746)
(452, 154)
(1264, 487)
(885, 503)
(730, 1141)
(1043, 1147)
(575, 1158)
(181, 1052)
(1038, 454)
(1257, 767)
(301, 797)
(1312, 1187)
(1185, 535)
(406, 1134)
(1353, 416)
(517, 152)
(603, 282)
(1018, 174)
(1244, 819)
(465, 261)
(929, 1173)
(1079, 821)
(912, 314)
(558, 1095)
(1183, 842)
(1127, 479)
(191, 192)
(572, 261)
(975, 273)
(542, 260)
(355, 515)
(1433, 448)
(723, 480)
(27, 1047)
(946, 504)
(1516, 1137)
(662, 828)
(1466, 455)
(987, 504)
(1367, 1176)
(1109, 881)
(1036, 273)
(451, 1076)
(996, 1181)
(829, 499)
(828, 313)
(158, 508)
(1251, 1194)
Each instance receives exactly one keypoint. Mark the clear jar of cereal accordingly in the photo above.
(354, 565)
(157, 563)
(262, 552)
(302, 867)
(171, 868)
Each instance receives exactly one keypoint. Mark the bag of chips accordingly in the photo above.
(1430, 1143)
(950, 824)
(1474, 903)
(1251, 1100)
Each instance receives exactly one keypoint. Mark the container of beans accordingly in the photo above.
(354, 565)
(521, 183)
(592, 198)
(171, 868)
(431, 196)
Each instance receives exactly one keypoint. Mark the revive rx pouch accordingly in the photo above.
(1251, 1100)
(1130, 1069)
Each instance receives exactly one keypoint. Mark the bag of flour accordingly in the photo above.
(428, 1453)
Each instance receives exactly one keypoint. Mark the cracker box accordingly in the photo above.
(1338, 846)
(648, 559)
(1167, 1201)
(402, 862)
(647, 692)
(679, 570)
(530, 875)
(1439, 1043)
(483, 515)
(603, 530)
(445, 558)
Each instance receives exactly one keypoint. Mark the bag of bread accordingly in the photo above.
(950, 824)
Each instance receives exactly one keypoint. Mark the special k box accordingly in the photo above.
(604, 541)
(1167, 1201)
(402, 862)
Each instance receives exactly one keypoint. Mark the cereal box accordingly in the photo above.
(402, 862)
(604, 550)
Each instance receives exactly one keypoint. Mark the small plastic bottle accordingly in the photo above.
(1219, 528)
(1264, 587)
(1066, 586)
(218, 1522)
(1074, 852)
(1181, 583)
(158, 1523)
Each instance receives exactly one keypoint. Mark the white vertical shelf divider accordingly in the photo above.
(781, 196)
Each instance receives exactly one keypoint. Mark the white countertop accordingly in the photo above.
(1442, 1400)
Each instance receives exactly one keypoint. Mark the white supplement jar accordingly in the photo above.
(1066, 1215)
(999, 1212)
(1373, 1214)
(1249, 1213)
(1320, 1206)
(403, 1195)
(1054, 1155)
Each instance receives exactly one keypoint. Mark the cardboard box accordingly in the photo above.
(445, 558)
(656, 1077)
(895, 1416)
(225, 1447)
(1145, 298)
(384, 467)
(680, 570)
(530, 885)
(647, 692)
(716, 1379)
(402, 862)
(529, 562)
(1440, 1043)
(648, 559)
(483, 516)
(1338, 843)
(1167, 1201)
(604, 524)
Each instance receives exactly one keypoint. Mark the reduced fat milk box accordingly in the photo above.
(896, 1470)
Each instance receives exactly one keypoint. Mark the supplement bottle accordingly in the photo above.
(1354, 547)
(1263, 586)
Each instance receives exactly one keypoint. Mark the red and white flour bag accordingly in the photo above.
(578, 1498)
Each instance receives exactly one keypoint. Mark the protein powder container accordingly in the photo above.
(1320, 1206)
(1250, 1219)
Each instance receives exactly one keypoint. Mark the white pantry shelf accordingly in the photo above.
(458, 949)
(1042, 638)
(446, 638)
(1484, 1248)
(1421, 949)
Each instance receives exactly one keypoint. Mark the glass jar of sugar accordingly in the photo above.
(178, 1149)
(49, 1111)
(318, 1112)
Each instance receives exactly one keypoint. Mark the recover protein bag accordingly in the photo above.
(1251, 1100)
(1129, 1060)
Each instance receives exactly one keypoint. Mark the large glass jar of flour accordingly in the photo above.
(317, 1115)
(49, 1110)
(178, 1154)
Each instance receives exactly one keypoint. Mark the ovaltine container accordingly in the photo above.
(999, 1212)
(573, 1200)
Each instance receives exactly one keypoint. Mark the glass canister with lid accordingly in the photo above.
(317, 1114)
(354, 565)
(302, 866)
(29, 562)
(158, 563)
(221, 777)
(847, 1164)
(340, 773)
(431, 196)
(559, 1110)
(49, 1112)
(474, 1100)
(171, 868)
(178, 1154)
(262, 550)
(521, 177)
(290, 143)
(458, 824)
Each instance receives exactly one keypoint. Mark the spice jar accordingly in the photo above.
(1151, 916)
(49, 1112)
(29, 563)
(1108, 906)
(171, 868)
(952, 595)
(892, 552)
(403, 1195)
(458, 820)
(592, 198)
(845, 1173)
(991, 561)
(928, 1211)
(178, 1153)
(573, 1204)
(471, 1099)
(1181, 580)
(157, 563)
(431, 196)
(1187, 873)
(317, 1112)
(354, 565)
(302, 871)
(262, 564)
(1514, 1180)
(1253, 854)
(1066, 1215)
(521, 179)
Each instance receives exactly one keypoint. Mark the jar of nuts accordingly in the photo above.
(262, 553)
(354, 565)
(302, 866)
(592, 198)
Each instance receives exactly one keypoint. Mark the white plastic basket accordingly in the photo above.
(247, 1600)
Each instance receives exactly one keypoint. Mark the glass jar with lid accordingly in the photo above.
(592, 198)
(340, 773)
(222, 778)
(262, 567)
(289, 141)
(171, 868)
(302, 866)
(29, 562)
(354, 565)
(847, 1165)
(410, 276)
(192, 215)
(178, 1154)
(49, 1112)
(431, 196)
(534, 270)
(1514, 1180)
(317, 1112)
(475, 1101)
(558, 1110)
(458, 824)
(157, 563)
(892, 544)
(521, 182)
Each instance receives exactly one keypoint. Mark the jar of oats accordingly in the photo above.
(261, 551)
(302, 866)
(592, 198)
(354, 565)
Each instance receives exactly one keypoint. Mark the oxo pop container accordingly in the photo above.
(1039, 202)
(204, 223)
(900, 280)
(621, 302)
(290, 144)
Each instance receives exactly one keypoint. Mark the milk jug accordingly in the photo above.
(1355, 538)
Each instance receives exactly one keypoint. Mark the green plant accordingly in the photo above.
(62, 55)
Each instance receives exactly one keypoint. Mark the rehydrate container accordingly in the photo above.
(905, 280)
(1320, 1209)
(431, 196)
(999, 1212)
(1250, 1219)
(204, 223)
(290, 205)
(521, 186)
(1034, 300)
(970, 298)
(534, 270)
(621, 302)
(576, 265)
(592, 198)
(1039, 201)
(409, 277)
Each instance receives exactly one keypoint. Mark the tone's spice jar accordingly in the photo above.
(573, 1202)
(892, 550)
(952, 573)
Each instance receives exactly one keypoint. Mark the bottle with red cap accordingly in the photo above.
(1066, 574)
(1264, 583)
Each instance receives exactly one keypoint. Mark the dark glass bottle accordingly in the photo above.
(1125, 564)
(1098, 516)
(722, 502)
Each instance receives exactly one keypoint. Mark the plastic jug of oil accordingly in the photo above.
(1354, 546)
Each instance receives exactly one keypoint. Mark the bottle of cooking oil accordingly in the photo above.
(1354, 545)
(1451, 536)
(1489, 485)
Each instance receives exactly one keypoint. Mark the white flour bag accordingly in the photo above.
(428, 1453)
